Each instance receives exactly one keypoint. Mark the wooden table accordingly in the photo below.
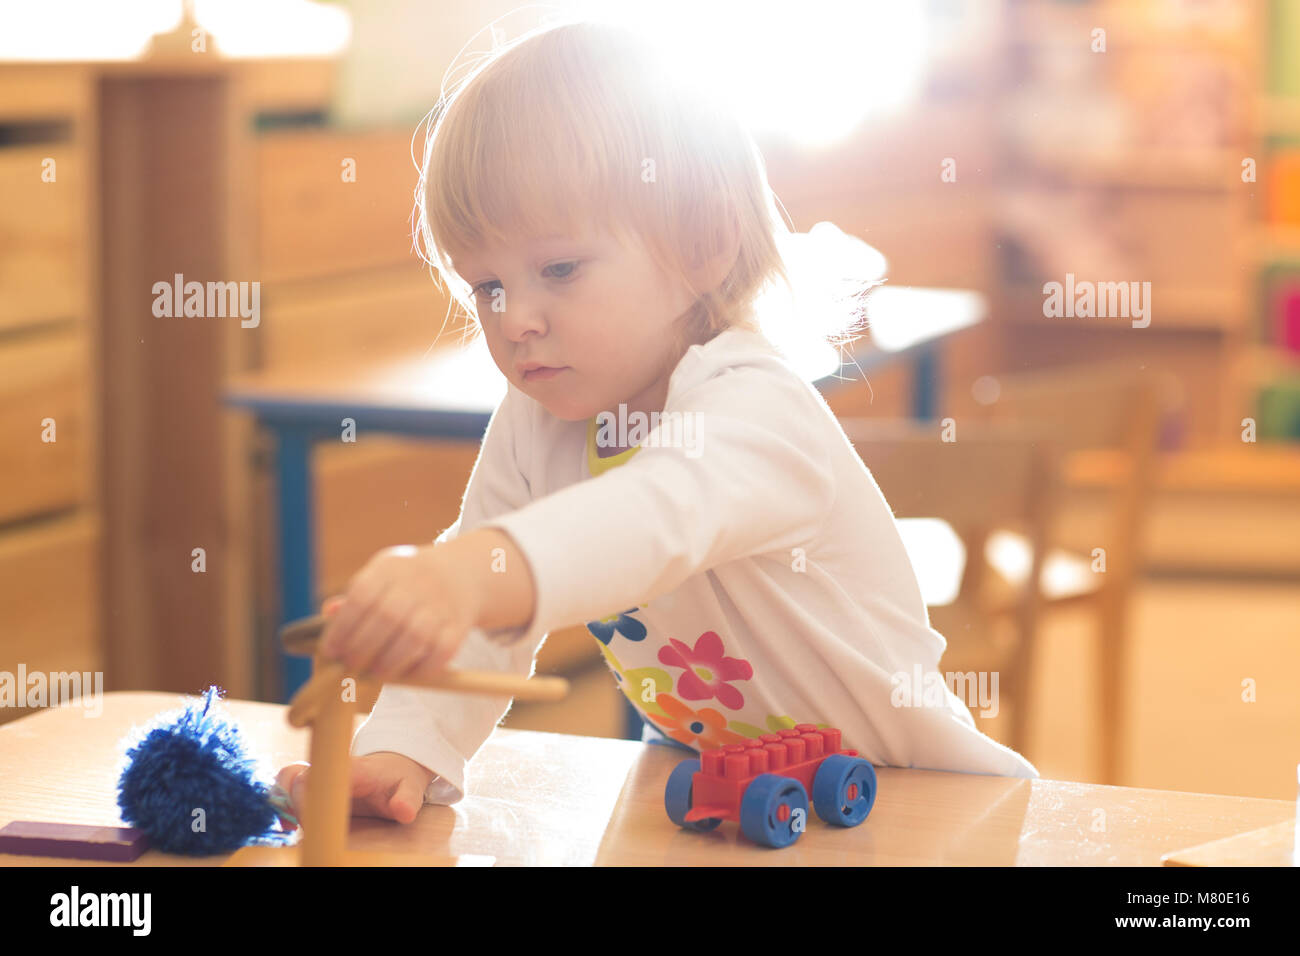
(538, 798)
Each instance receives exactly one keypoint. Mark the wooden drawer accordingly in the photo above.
(49, 599)
(43, 91)
(357, 318)
(312, 223)
(382, 492)
(42, 236)
(43, 377)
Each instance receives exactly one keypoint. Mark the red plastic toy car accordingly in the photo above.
(763, 785)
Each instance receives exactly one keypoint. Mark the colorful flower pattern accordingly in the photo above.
(622, 623)
(707, 671)
(633, 683)
(705, 729)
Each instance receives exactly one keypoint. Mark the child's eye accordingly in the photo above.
(567, 269)
(571, 266)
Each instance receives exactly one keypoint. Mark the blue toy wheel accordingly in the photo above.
(844, 790)
(774, 810)
(677, 797)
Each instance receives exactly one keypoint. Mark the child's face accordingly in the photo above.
(597, 316)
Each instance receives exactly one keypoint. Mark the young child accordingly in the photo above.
(612, 229)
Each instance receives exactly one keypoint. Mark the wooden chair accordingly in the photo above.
(1111, 406)
(989, 477)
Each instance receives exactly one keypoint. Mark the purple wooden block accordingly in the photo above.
(32, 838)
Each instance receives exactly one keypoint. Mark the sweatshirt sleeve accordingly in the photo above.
(754, 479)
(442, 730)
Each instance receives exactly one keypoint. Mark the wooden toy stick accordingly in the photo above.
(326, 682)
(492, 683)
(328, 801)
(322, 704)
(301, 637)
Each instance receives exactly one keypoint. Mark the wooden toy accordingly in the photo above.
(73, 841)
(763, 785)
(327, 706)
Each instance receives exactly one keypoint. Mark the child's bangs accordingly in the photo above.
(507, 195)
(517, 160)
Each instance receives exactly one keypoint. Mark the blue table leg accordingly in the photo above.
(925, 384)
(632, 721)
(297, 600)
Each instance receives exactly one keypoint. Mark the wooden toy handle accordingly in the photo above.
(301, 637)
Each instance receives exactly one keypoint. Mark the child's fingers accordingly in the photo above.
(287, 775)
(412, 644)
(341, 626)
(405, 801)
(282, 803)
(375, 634)
(331, 604)
(291, 782)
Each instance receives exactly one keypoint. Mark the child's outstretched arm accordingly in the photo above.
(438, 729)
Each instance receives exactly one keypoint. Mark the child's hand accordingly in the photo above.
(384, 784)
(405, 612)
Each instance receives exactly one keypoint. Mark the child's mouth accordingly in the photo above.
(542, 374)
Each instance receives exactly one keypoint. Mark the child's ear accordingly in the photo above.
(710, 266)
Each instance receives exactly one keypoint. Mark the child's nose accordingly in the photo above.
(523, 315)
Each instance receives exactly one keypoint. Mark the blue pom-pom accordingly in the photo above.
(190, 762)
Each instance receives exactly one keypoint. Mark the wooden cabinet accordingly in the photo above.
(42, 236)
(49, 593)
(49, 519)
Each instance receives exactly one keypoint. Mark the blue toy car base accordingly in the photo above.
(844, 790)
(677, 797)
(774, 810)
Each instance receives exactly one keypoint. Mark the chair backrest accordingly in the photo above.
(990, 475)
(1111, 405)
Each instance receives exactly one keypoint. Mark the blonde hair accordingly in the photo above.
(580, 123)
